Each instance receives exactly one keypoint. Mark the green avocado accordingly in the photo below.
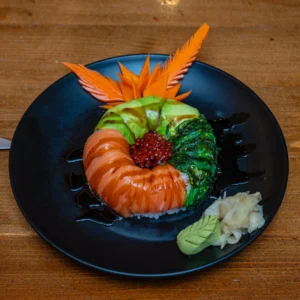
(152, 108)
(112, 120)
(133, 115)
(135, 118)
(173, 113)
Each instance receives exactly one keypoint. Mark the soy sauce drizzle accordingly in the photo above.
(87, 199)
(231, 149)
(93, 208)
(73, 155)
(74, 181)
(104, 217)
(224, 124)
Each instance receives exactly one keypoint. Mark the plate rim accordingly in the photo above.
(170, 274)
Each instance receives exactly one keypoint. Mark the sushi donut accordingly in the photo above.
(180, 182)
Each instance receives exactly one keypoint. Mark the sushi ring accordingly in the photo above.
(181, 182)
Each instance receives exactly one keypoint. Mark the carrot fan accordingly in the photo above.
(162, 82)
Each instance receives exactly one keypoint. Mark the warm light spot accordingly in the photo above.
(170, 3)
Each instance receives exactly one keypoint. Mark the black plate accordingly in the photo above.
(62, 118)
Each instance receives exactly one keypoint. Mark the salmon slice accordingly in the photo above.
(102, 148)
(126, 188)
(110, 157)
(101, 170)
(100, 135)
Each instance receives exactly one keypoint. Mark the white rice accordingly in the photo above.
(157, 215)
(186, 180)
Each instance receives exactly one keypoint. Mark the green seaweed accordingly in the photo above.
(195, 154)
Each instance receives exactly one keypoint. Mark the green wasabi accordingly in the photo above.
(199, 235)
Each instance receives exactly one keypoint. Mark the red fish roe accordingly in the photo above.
(151, 150)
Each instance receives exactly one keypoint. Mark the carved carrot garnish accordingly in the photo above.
(153, 77)
(172, 92)
(124, 79)
(136, 91)
(158, 87)
(162, 82)
(144, 75)
(126, 91)
(128, 74)
(110, 105)
(96, 84)
(182, 96)
(178, 64)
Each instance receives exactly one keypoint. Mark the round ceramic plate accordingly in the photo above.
(46, 181)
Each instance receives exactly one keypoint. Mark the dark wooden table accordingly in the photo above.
(256, 41)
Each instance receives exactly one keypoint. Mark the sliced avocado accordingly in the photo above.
(178, 112)
(109, 117)
(135, 118)
(112, 120)
(152, 107)
(133, 115)
(174, 112)
(162, 127)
